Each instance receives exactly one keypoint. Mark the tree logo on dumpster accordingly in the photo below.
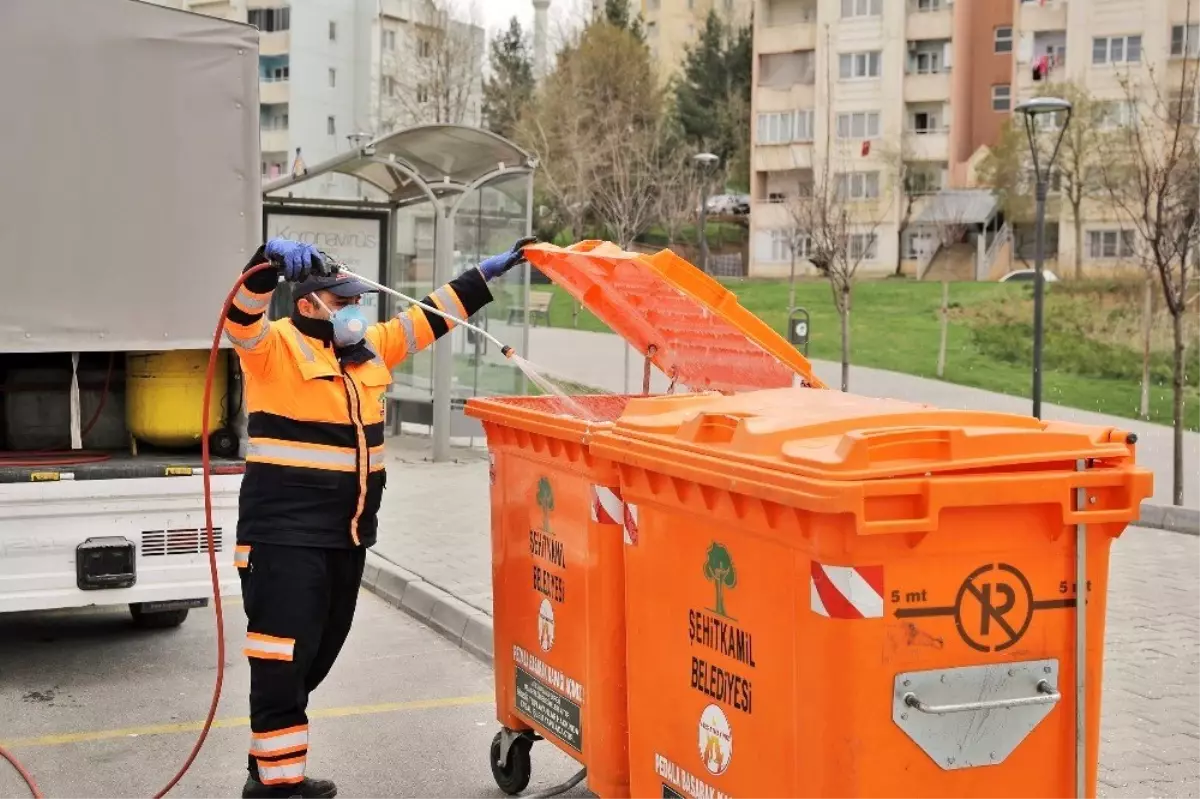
(719, 570)
(545, 501)
(716, 740)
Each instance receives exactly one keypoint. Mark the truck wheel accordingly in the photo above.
(513, 776)
(158, 619)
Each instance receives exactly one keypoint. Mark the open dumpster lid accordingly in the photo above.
(689, 326)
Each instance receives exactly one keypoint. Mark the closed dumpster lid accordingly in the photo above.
(834, 436)
(689, 325)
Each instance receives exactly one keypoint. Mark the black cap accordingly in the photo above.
(339, 285)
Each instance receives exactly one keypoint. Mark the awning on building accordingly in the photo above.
(959, 207)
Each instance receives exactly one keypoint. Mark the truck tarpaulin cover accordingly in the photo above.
(129, 173)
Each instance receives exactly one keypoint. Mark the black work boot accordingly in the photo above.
(253, 789)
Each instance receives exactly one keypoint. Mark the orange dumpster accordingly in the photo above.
(557, 549)
(830, 595)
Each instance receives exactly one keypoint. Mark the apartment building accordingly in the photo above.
(1099, 46)
(331, 70)
(673, 25)
(889, 101)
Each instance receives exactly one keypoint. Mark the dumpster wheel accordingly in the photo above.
(511, 769)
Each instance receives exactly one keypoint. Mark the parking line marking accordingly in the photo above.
(231, 723)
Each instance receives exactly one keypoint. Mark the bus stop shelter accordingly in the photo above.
(370, 207)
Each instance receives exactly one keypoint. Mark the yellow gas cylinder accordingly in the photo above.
(164, 392)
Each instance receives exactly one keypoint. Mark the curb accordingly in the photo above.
(465, 626)
(1169, 517)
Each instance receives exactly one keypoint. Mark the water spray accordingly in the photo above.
(505, 350)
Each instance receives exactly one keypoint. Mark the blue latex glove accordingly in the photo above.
(497, 265)
(297, 259)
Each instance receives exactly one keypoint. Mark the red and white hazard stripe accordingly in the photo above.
(847, 592)
(630, 523)
(606, 505)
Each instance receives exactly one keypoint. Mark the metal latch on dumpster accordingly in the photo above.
(974, 715)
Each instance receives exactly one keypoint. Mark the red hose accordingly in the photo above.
(212, 557)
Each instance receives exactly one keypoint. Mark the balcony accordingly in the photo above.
(783, 157)
(274, 140)
(786, 38)
(799, 95)
(768, 215)
(929, 145)
(274, 92)
(275, 43)
(1033, 16)
(933, 88)
(929, 21)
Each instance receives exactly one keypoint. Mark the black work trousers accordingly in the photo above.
(299, 604)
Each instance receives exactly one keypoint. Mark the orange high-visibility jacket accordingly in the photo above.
(314, 465)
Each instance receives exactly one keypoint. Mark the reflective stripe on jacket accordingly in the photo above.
(315, 460)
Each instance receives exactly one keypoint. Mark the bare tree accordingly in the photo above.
(626, 178)
(433, 68)
(842, 233)
(796, 234)
(948, 231)
(678, 195)
(1151, 170)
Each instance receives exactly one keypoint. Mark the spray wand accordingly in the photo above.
(505, 350)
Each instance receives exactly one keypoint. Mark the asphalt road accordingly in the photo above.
(95, 708)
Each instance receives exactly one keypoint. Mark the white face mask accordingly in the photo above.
(349, 324)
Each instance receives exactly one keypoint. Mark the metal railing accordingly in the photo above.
(925, 258)
(984, 266)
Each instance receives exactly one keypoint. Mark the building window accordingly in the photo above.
(390, 83)
(269, 20)
(863, 247)
(1110, 243)
(389, 40)
(925, 122)
(926, 6)
(1001, 97)
(1185, 35)
(424, 48)
(331, 126)
(781, 246)
(332, 31)
(1117, 50)
(422, 94)
(784, 127)
(858, 185)
(332, 77)
(917, 243)
(919, 182)
(925, 61)
(861, 8)
(858, 125)
(784, 70)
(853, 66)
(1113, 114)
(1003, 40)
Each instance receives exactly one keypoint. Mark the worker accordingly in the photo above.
(315, 385)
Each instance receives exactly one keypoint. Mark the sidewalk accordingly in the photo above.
(598, 359)
(434, 559)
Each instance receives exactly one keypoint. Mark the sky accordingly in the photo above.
(495, 14)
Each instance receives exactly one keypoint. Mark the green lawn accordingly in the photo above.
(1091, 363)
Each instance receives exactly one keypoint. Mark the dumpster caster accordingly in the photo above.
(509, 756)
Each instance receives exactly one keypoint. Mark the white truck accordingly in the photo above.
(129, 201)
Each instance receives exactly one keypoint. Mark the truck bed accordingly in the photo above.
(120, 466)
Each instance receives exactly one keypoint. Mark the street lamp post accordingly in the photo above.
(1032, 109)
(705, 162)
